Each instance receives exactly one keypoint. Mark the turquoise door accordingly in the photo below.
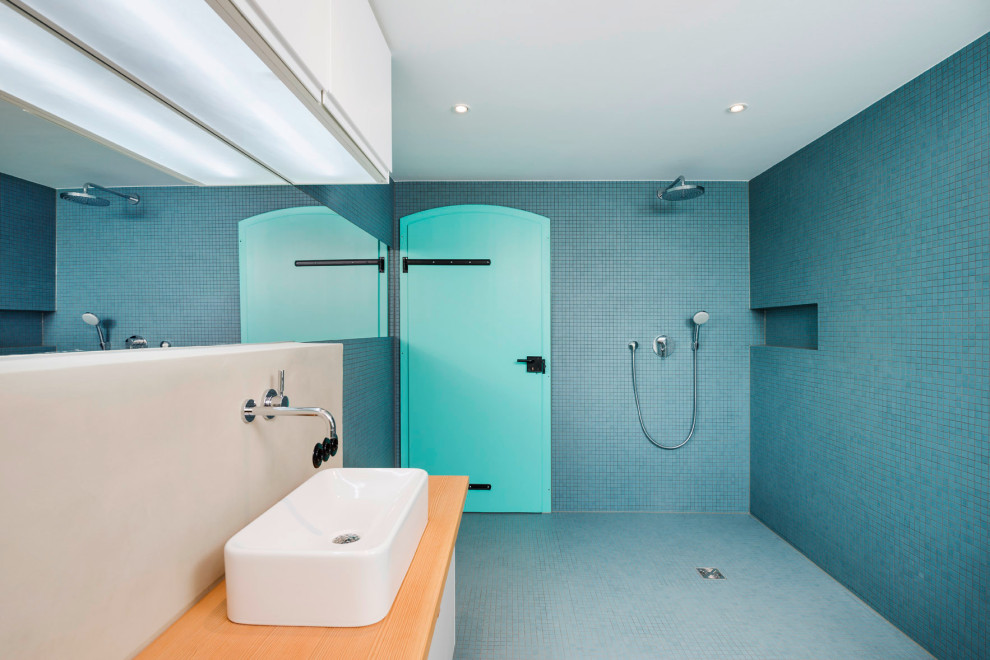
(283, 301)
(468, 406)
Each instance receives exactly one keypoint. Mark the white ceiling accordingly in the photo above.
(637, 90)
(35, 149)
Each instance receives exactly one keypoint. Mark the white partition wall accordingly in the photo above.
(123, 474)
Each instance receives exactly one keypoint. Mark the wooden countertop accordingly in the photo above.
(406, 632)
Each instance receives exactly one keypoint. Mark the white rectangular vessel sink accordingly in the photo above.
(333, 552)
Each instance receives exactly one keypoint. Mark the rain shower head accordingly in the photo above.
(84, 198)
(89, 199)
(679, 190)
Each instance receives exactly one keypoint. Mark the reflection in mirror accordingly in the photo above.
(307, 274)
(167, 269)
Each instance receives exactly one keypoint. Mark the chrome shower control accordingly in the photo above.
(273, 398)
(660, 346)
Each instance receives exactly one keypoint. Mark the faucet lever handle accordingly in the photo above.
(276, 399)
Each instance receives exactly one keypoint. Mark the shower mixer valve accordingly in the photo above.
(661, 345)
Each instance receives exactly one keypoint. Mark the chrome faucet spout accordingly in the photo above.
(288, 411)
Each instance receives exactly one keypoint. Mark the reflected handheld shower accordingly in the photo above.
(92, 319)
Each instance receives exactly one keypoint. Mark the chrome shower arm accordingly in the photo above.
(133, 199)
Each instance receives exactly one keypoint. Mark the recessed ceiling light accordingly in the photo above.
(737, 107)
(461, 108)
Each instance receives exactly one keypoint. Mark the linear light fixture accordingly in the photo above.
(184, 53)
(45, 72)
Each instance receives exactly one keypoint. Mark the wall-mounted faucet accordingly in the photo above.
(276, 404)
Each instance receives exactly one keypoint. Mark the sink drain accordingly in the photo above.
(349, 537)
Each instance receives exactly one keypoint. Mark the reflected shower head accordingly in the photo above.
(679, 191)
(89, 199)
(84, 198)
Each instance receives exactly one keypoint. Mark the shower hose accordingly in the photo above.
(694, 397)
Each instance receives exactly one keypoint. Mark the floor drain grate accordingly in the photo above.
(711, 573)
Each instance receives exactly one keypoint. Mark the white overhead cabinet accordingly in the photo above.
(336, 51)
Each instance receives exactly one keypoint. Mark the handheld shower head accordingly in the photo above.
(89, 318)
(699, 319)
(679, 190)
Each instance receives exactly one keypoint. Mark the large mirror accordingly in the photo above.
(148, 257)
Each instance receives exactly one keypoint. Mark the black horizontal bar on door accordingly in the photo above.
(344, 262)
(407, 262)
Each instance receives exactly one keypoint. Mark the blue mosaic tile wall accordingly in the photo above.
(27, 245)
(165, 269)
(168, 269)
(871, 455)
(21, 332)
(792, 325)
(627, 266)
(369, 388)
(369, 206)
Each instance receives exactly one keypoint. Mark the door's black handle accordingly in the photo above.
(535, 364)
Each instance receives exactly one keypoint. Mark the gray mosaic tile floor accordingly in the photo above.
(614, 585)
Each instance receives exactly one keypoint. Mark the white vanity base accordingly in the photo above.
(442, 646)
